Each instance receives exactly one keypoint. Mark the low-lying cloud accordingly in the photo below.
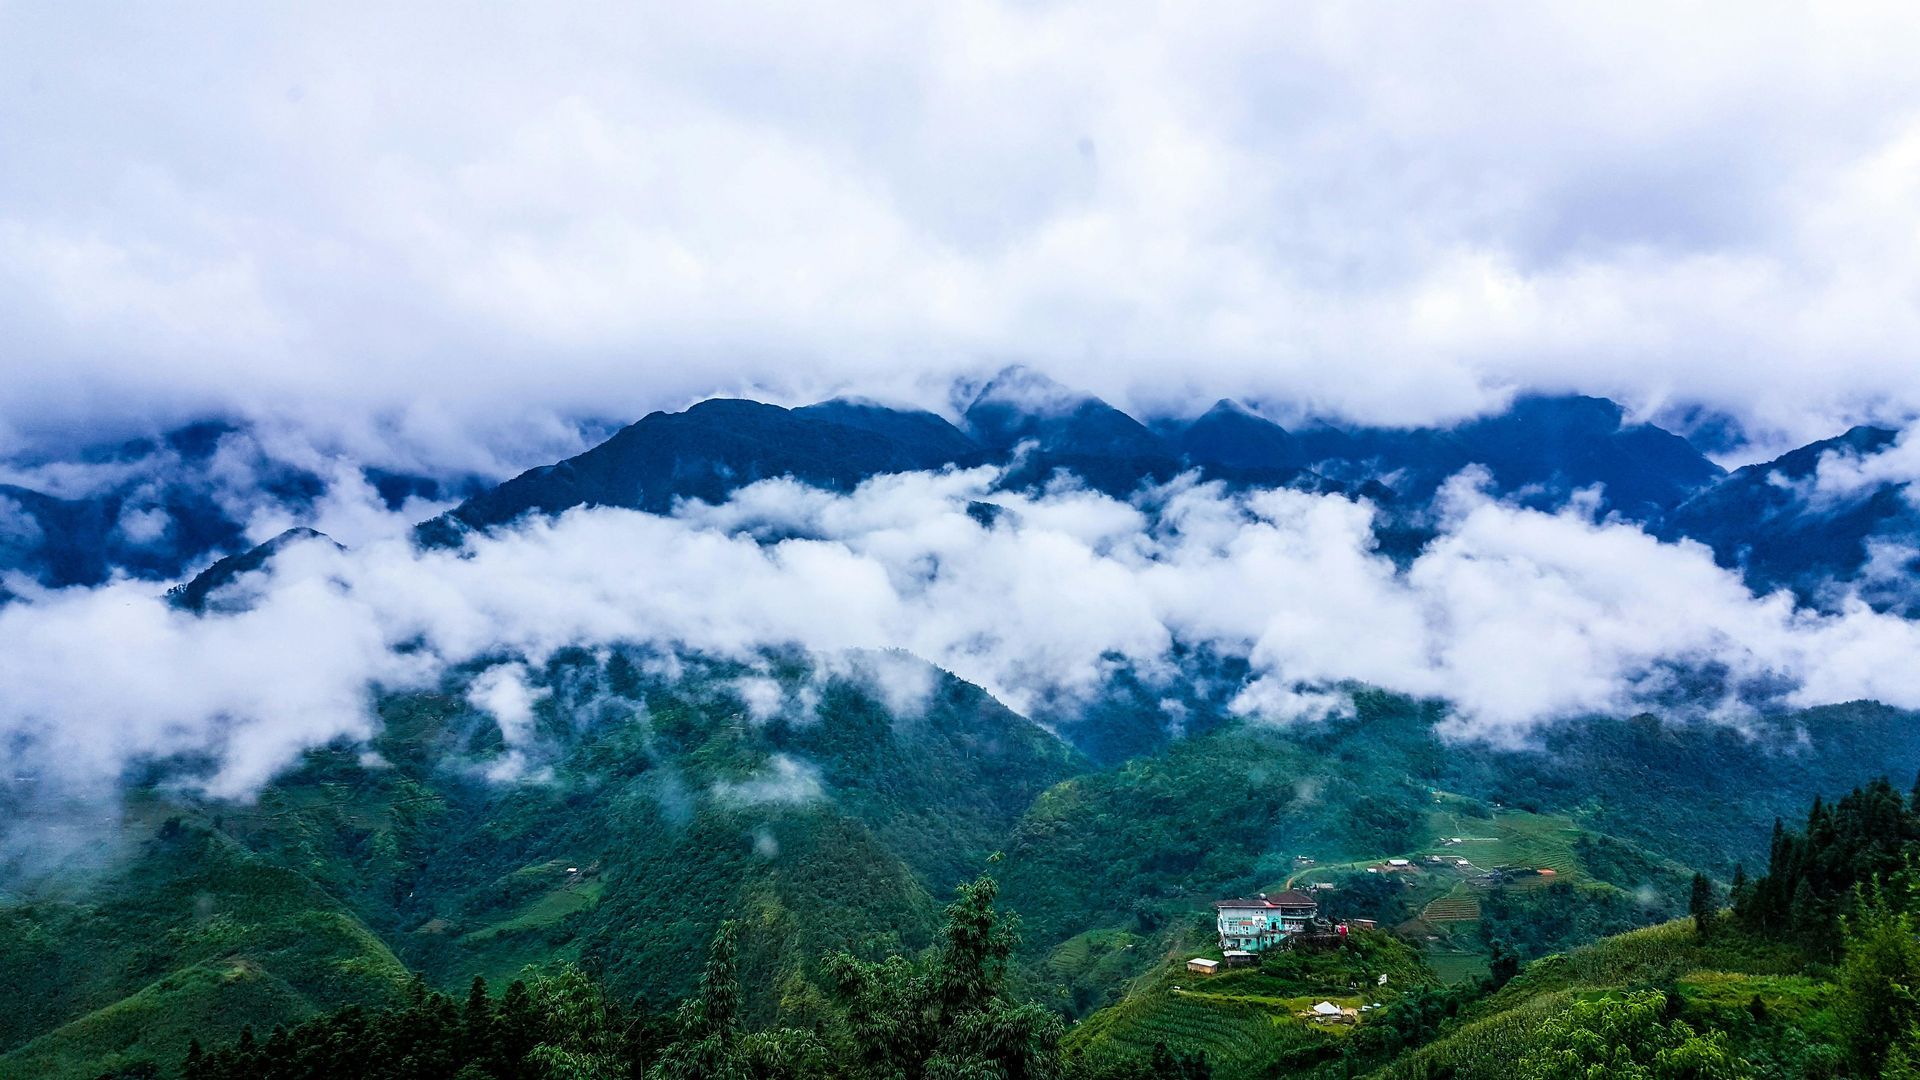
(1517, 617)
(1845, 474)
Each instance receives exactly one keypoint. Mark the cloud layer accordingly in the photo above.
(460, 217)
(1516, 617)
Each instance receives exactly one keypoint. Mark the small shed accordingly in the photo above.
(1202, 966)
(1238, 958)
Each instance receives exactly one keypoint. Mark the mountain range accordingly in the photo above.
(159, 511)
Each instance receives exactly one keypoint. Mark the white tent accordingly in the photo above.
(1327, 1008)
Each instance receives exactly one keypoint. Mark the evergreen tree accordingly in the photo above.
(1701, 906)
(1502, 965)
(710, 1045)
(947, 1015)
(477, 1026)
(516, 1031)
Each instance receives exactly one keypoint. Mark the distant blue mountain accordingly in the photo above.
(1540, 451)
(711, 450)
(1023, 406)
(203, 592)
(924, 431)
(155, 510)
(1768, 522)
(1234, 436)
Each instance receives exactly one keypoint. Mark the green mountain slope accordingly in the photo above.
(1713, 985)
(194, 934)
(645, 801)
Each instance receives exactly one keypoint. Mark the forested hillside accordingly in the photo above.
(1723, 993)
(796, 800)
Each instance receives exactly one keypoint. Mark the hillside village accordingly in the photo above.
(1443, 884)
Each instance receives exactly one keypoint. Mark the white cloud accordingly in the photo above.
(764, 698)
(143, 526)
(502, 692)
(903, 684)
(1401, 214)
(1515, 616)
(786, 779)
(17, 526)
(1843, 474)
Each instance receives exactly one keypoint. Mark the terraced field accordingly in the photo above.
(1541, 842)
(1238, 1034)
(1456, 906)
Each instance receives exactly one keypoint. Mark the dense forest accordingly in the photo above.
(1806, 974)
(944, 1014)
(361, 888)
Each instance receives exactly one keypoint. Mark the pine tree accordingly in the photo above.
(1701, 906)
(476, 1023)
(516, 1027)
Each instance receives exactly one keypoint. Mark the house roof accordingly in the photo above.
(1292, 898)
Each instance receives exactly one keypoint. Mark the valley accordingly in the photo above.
(601, 807)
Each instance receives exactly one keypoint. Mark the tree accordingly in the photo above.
(709, 1044)
(947, 1016)
(1879, 999)
(1701, 906)
(1503, 965)
(579, 1036)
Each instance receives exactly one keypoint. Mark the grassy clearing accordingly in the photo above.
(544, 911)
(1456, 965)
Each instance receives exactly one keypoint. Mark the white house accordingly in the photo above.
(1263, 921)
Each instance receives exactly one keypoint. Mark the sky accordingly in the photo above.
(460, 221)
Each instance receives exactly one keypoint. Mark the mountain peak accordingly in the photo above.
(1020, 387)
(1233, 435)
(1020, 405)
